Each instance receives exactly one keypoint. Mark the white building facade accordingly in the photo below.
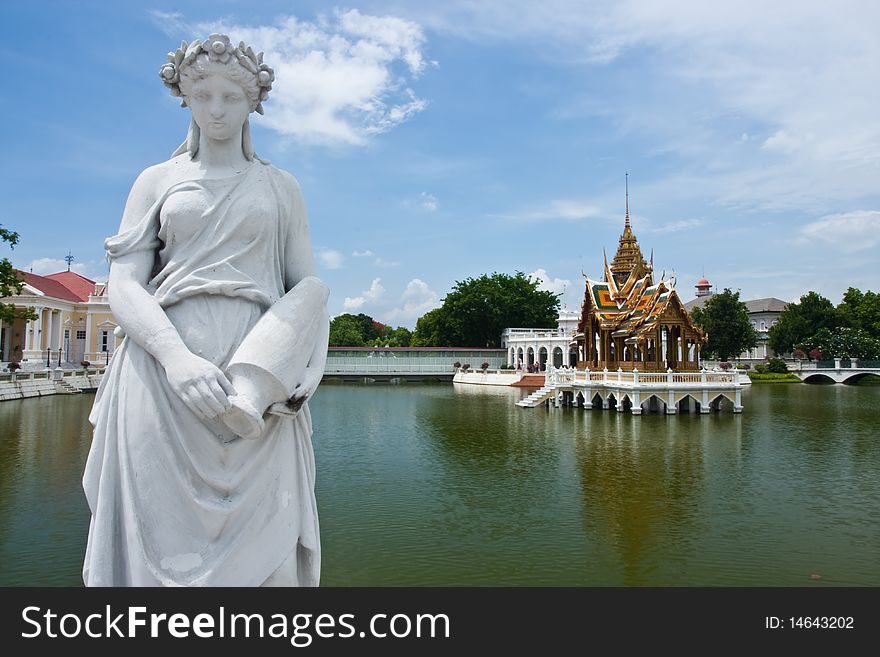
(542, 346)
(763, 313)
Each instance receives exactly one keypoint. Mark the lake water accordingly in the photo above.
(449, 484)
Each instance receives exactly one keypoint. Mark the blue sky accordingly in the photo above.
(437, 141)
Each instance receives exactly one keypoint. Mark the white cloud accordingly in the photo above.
(428, 202)
(362, 254)
(554, 285)
(802, 75)
(172, 23)
(849, 231)
(386, 263)
(331, 258)
(416, 300)
(339, 79)
(782, 142)
(564, 209)
(676, 226)
(96, 271)
(375, 293)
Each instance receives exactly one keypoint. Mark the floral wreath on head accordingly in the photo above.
(219, 49)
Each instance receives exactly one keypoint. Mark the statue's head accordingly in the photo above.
(214, 76)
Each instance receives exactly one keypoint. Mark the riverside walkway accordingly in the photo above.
(406, 363)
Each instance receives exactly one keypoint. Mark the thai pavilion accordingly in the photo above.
(628, 321)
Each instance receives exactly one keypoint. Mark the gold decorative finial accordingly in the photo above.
(626, 183)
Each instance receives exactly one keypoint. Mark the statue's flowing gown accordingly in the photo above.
(176, 499)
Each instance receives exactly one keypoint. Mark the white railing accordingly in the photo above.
(628, 379)
(387, 368)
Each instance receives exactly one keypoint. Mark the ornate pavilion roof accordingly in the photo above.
(634, 315)
(628, 302)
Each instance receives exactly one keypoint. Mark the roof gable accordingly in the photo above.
(81, 286)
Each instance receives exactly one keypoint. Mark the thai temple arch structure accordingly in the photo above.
(629, 321)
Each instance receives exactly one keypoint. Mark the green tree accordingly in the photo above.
(10, 283)
(801, 320)
(477, 310)
(360, 330)
(346, 331)
(393, 337)
(844, 342)
(427, 333)
(861, 311)
(726, 320)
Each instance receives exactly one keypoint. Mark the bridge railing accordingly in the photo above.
(387, 368)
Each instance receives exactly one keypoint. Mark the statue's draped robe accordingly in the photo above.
(177, 499)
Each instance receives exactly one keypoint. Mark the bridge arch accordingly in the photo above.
(653, 404)
(716, 402)
(819, 378)
(687, 403)
(853, 379)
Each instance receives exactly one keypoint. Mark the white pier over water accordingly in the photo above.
(637, 392)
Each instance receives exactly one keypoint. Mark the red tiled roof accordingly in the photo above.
(81, 286)
(53, 286)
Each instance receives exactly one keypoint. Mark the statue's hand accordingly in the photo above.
(200, 384)
(307, 388)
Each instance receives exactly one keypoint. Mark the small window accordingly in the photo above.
(104, 340)
(80, 335)
(763, 326)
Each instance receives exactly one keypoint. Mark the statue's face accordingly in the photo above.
(219, 106)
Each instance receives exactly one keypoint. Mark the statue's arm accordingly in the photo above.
(201, 385)
(299, 264)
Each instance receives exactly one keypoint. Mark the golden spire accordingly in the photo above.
(628, 259)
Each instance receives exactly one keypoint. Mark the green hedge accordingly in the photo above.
(770, 377)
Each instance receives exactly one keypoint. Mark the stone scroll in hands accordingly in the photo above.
(271, 364)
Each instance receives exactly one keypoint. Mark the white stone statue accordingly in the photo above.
(201, 470)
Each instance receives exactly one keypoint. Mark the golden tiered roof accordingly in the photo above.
(628, 302)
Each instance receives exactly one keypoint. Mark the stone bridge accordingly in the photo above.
(839, 371)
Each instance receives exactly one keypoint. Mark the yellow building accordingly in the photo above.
(73, 324)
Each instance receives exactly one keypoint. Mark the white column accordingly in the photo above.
(636, 403)
(88, 336)
(26, 343)
(49, 327)
(58, 330)
(36, 343)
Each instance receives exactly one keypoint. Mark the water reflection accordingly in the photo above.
(436, 484)
(43, 513)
